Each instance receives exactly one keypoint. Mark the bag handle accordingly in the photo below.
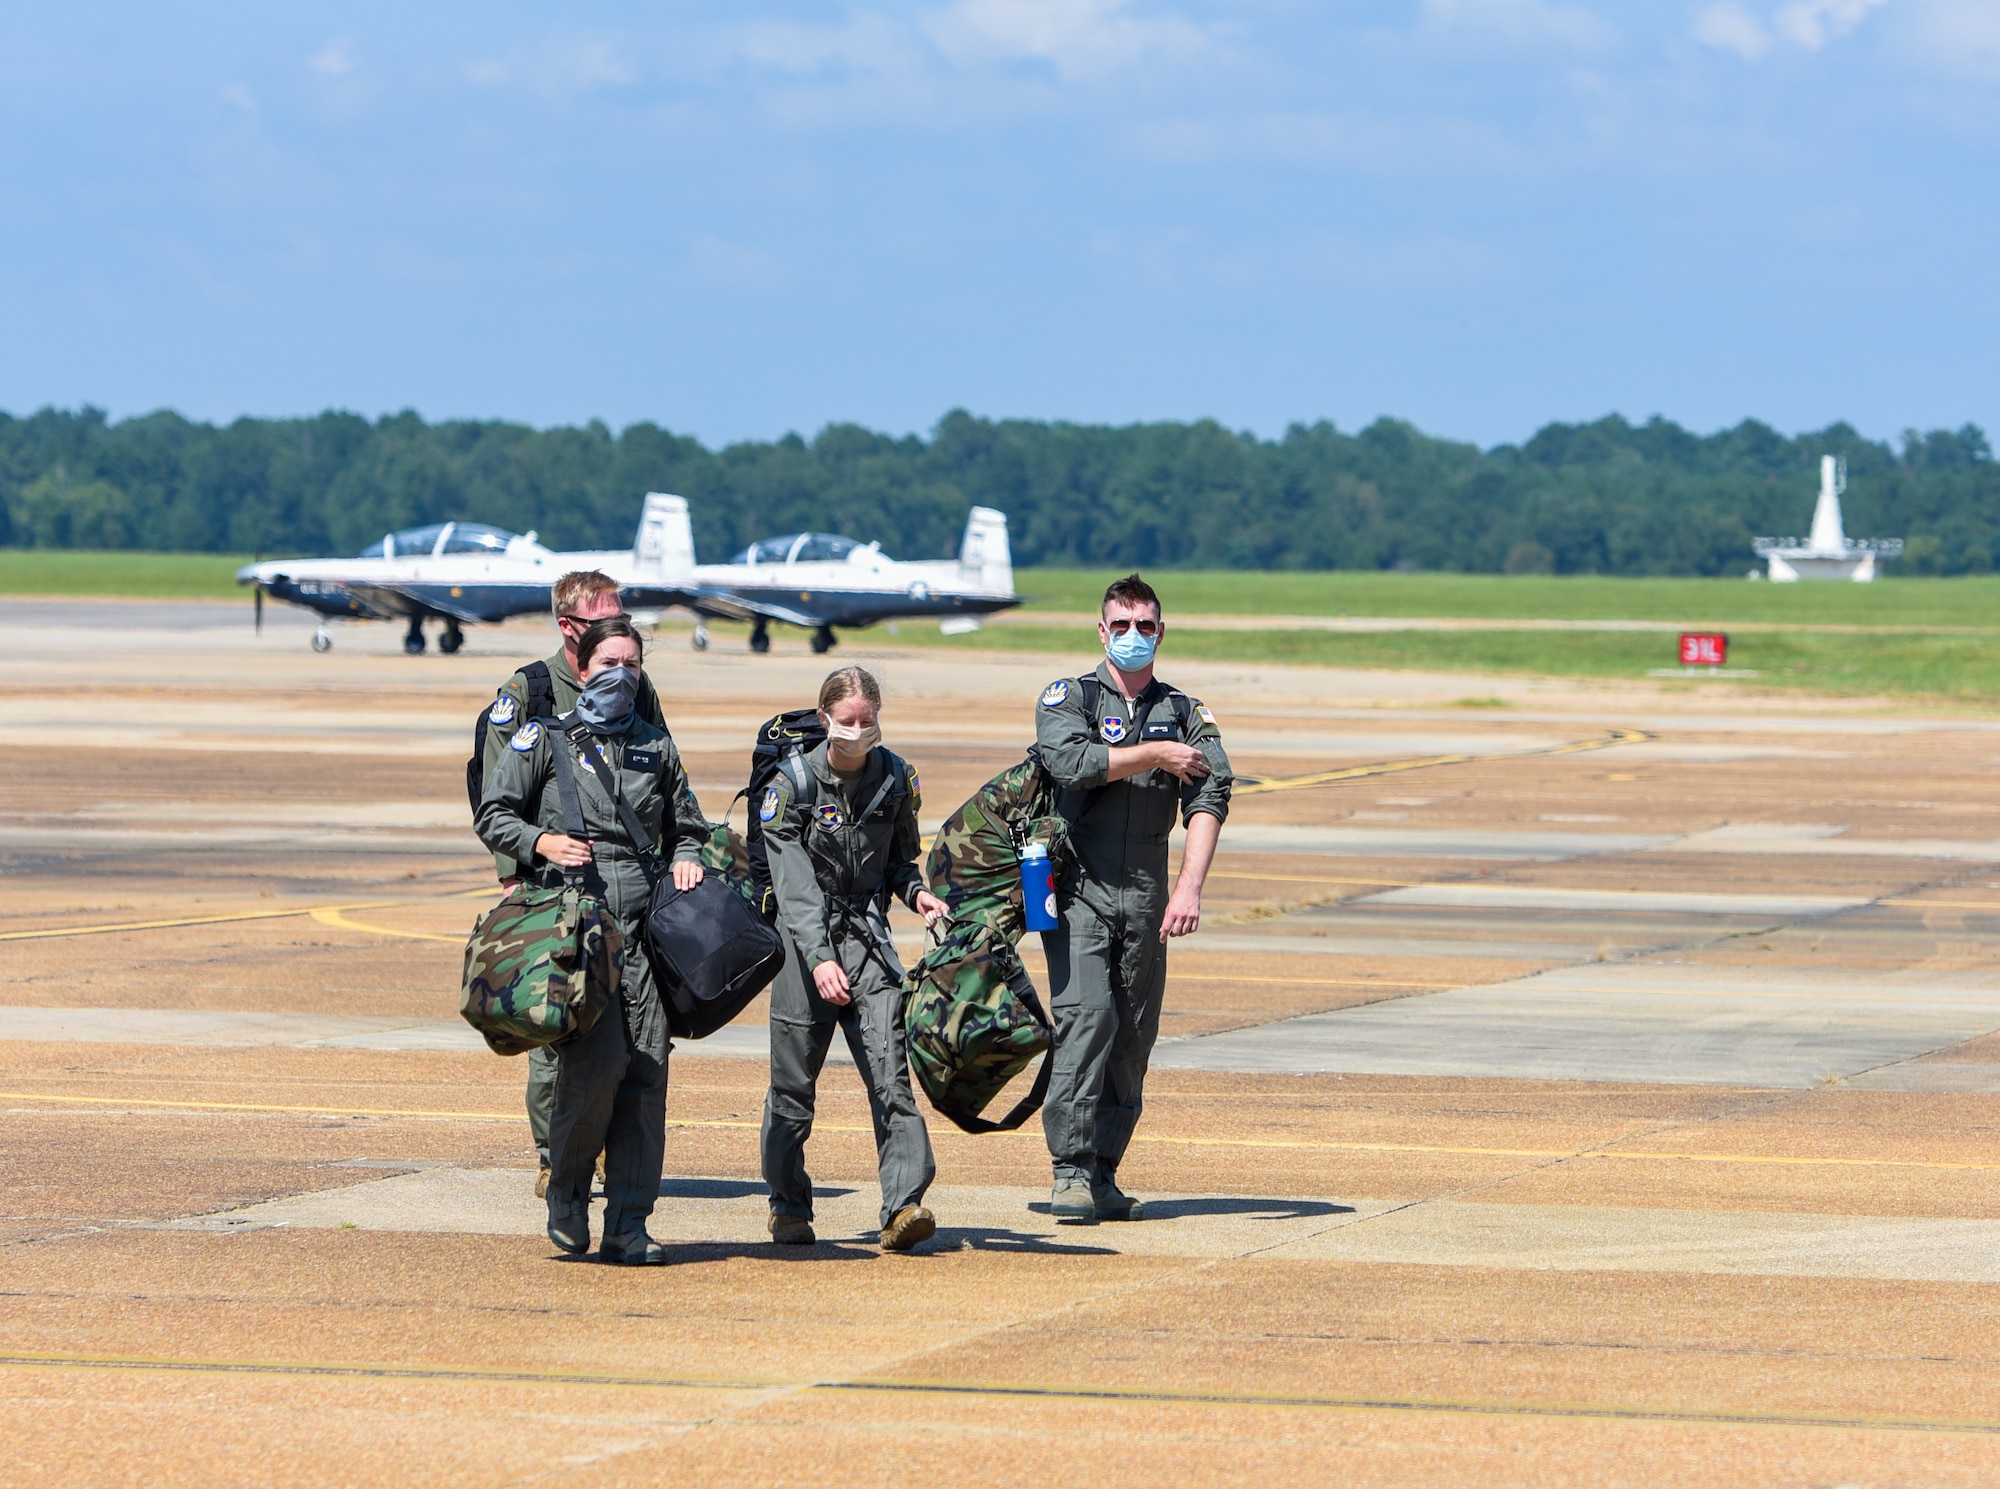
(634, 829)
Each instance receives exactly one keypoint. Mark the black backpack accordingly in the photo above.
(541, 705)
(797, 731)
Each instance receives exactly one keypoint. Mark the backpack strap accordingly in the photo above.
(642, 841)
(541, 690)
(793, 764)
(572, 805)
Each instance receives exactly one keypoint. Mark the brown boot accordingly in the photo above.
(792, 1230)
(542, 1183)
(913, 1225)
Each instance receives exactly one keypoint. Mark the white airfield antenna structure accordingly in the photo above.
(1828, 553)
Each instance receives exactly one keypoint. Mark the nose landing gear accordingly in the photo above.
(322, 639)
(700, 638)
(824, 640)
(452, 639)
(760, 637)
(413, 639)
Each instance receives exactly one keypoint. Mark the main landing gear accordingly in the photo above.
(700, 638)
(824, 640)
(452, 639)
(413, 639)
(760, 637)
(322, 639)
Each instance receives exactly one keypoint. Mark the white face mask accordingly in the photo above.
(853, 739)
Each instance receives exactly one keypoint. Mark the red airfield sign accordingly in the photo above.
(1704, 648)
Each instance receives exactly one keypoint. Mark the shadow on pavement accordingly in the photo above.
(989, 1238)
(1257, 1209)
(729, 1189)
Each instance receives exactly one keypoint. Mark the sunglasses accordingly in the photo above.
(1143, 627)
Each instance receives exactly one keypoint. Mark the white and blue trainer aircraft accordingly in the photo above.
(467, 573)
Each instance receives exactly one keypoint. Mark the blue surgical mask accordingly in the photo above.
(605, 704)
(1131, 652)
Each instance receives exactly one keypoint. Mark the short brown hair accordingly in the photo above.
(600, 631)
(572, 590)
(845, 682)
(1131, 590)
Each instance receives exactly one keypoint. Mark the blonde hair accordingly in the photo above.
(572, 590)
(845, 682)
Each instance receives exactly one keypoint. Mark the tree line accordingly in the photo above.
(1609, 497)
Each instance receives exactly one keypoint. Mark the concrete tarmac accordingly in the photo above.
(1629, 1115)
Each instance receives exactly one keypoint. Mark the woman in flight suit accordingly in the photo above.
(840, 827)
(611, 1082)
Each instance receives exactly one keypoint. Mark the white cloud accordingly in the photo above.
(337, 58)
(1078, 38)
(556, 68)
(1813, 23)
(241, 97)
(1532, 24)
(1728, 27)
(865, 43)
(1958, 35)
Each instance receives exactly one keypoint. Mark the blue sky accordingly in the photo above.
(742, 219)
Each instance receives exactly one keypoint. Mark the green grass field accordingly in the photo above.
(133, 576)
(1696, 602)
(1951, 662)
(1954, 667)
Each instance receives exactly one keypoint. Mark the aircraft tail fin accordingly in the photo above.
(665, 544)
(984, 559)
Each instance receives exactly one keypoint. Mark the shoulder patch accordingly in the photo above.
(1055, 692)
(916, 786)
(1206, 716)
(504, 709)
(767, 809)
(525, 737)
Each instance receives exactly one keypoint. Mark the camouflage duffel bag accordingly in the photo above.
(727, 854)
(540, 966)
(975, 860)
(973, 1021)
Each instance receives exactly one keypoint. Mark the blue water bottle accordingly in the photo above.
(1038, 888)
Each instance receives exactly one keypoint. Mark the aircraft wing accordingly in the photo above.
(416, 599)
(727, 604)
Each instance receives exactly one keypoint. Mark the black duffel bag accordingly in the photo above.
(712, 953)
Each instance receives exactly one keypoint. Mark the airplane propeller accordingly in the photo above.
(257, 596)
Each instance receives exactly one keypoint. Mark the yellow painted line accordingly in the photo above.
(1316, 879)
(313, 910)
(1993, 905)
(328, 915)
(1310, 981)
(1286, 1144)
(1426, 762)
(1094, 1395)
(161, 925)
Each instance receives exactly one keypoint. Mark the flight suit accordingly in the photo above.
(610, 1085)
(510, 712)
(1107, 966)
(838, 847)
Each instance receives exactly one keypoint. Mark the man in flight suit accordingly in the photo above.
(577, 599)
(1129, 754)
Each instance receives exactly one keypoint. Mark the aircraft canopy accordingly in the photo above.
(799, 548)
(440, 538)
